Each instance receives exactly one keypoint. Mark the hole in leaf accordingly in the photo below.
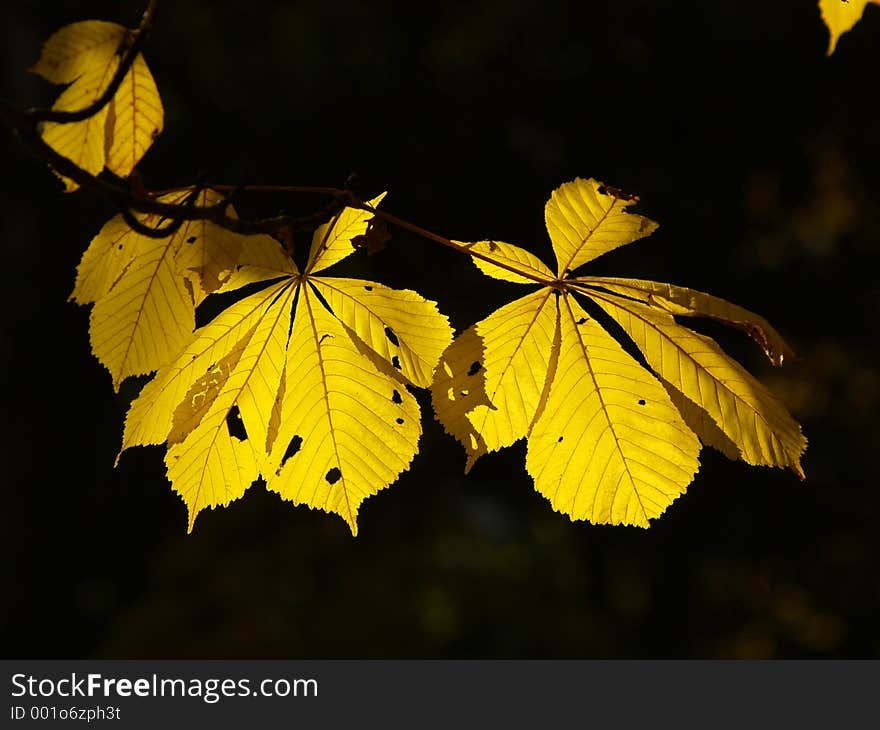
(400, 421)
(475, 368)
(119, 247)
(395, 361)
(368, 288)
(235, 424)
(191, 239)
(294, 446)
(641, 401)
(395, 398)
(559, 440)
(392, 338)
(582, 320)
(333, 476)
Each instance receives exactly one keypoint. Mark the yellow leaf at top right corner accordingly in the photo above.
(840, 16)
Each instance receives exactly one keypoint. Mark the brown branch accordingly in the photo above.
(460, 248)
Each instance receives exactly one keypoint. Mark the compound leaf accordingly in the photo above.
(278, 385)
(608, 440)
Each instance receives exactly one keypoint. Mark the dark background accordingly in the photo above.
(760, 158)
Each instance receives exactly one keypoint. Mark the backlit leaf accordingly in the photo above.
(78, 48)
(208, 253)
(679, 300)
(609, 447)
(351, 437)
(146, 289)
(397, 324)
(135, 118)
(488, 385)
(608, 440)
(840, 16)
(86, 55)
(586, 219)
(83, 143)
(745, 411)
(506, 256)
(280, 385)
(333, 241)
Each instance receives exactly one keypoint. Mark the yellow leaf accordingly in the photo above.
(679, 300)
(609, 447)
(83, 143)
(77, 49)
(210, 466)
(401, 327)
(146, 289)
(489, 382)
(840, 16)
(86, 55)
(332, 241)
(586, 218)
(745, 411)
(701, 424)
(346, 431)
(151, 415)
(147, 315)
(261, 259)
(208, 253)
(511, 257)
(315, 417)
(608, 441)
(104, 261)
(135, 119)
